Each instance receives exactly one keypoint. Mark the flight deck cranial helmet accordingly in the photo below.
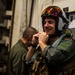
(53, 12)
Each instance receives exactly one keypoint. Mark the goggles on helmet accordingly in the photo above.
(52, 11)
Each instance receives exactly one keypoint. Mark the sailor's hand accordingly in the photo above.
(43, 37)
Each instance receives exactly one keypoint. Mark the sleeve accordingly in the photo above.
(56, 56)
(18, 66)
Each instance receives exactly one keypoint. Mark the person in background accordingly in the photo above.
(57, 47)
(23, 46)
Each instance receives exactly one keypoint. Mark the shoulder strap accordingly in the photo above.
(55, 44)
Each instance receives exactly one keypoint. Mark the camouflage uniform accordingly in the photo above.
(55, 60)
